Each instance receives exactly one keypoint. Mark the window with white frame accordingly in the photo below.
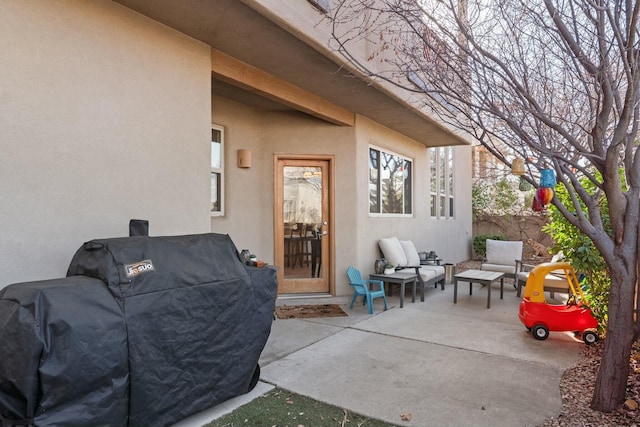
(322, 5)
(217, 170)
(441, 189)
(390, 185)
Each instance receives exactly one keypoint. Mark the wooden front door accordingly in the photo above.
(303, 224)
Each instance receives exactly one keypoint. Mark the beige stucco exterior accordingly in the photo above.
(106, 115)
(249, 213)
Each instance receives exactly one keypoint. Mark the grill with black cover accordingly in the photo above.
(164, 326)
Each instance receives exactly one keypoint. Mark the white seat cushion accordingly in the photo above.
(410, 252)
(438, 270)
(393, 252)
(523, 276)
(510, 269)
(503, 252)
(427, 274)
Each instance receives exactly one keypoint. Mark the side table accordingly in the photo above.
(401, 279)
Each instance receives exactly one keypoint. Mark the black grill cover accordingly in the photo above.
(196, 321)
(63, 354)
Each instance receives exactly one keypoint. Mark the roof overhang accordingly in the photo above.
(249, 38)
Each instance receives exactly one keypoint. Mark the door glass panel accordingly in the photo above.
(302, 214)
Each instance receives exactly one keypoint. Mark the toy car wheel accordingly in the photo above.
(589, 337)
(540, 332)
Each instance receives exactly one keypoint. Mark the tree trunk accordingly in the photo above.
(610, 387)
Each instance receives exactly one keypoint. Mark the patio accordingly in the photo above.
(446, 364)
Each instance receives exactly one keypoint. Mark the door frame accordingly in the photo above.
(278, 223)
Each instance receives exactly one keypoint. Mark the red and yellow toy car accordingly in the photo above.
(540, 317)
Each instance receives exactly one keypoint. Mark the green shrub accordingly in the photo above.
(480, 199)
(480, 242)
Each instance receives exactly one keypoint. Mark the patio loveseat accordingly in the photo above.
(403, 255)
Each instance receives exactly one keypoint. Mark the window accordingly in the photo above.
(389, 183)
(441, 161)
(322, 5)
(217, 170)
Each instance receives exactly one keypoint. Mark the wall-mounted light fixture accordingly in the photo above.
(244, 158)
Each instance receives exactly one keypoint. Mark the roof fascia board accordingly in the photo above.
(247, 77)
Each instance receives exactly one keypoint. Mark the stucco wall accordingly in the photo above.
(104, 117)
(450, 238)
(249, 192)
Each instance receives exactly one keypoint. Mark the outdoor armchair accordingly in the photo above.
(503, 256)
(361, 287)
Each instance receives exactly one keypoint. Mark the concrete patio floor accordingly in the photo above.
(445, 364)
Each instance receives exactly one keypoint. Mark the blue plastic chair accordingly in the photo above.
(361, 287)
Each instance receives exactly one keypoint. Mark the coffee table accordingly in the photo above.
(478, 276)
(401, 278)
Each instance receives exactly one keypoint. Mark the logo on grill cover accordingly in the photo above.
(133, 270)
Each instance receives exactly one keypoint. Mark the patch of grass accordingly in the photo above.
(280, 408)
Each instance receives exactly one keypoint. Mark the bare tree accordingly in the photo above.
(554, 82)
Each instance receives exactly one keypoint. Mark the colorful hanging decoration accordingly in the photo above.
(517, 167)
(524, 185)
(536, 206)
(544, 195)
(547, 178)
